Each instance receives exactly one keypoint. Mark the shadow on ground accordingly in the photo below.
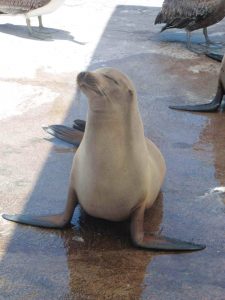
(51, 33)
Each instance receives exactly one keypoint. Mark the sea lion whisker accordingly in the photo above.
(97, 90)
(92, 87)
(105, 94)
(90, 80)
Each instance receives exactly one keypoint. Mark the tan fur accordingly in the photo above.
(115, 166)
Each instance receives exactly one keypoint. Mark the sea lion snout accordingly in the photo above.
(81, 76)
(88, 83)
(87, 79)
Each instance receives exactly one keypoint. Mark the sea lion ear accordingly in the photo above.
(131, 93)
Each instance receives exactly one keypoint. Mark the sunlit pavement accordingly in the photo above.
(95, 259)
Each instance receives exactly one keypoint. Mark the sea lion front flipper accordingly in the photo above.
(215, 56)
(67, 134)
(49, 221)
(212, 106)
(53, 221)
(153, 242)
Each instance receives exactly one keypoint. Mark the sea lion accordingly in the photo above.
(116, 173)
(216, 56)
(215, 104)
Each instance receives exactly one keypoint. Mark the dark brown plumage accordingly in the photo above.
(191, 15)
(20, 6)
(29, 8)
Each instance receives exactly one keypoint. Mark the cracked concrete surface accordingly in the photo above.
(95, 259)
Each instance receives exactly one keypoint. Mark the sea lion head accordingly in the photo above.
(106, 88)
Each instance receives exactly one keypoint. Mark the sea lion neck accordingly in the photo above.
(105, 112)
(126, 125)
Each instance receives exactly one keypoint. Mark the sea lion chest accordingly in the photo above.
(111, 174)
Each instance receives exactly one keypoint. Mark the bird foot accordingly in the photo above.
(40, 35)
(47, 31)
(213, 44)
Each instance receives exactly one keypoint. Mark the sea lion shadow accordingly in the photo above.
(59, 144)
(95, 244)
(54, 34)
(99, 234)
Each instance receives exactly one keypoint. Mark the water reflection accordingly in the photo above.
(211, 140)
(106, 265)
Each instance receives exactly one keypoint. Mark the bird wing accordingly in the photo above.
(174, 11)
(20, 6)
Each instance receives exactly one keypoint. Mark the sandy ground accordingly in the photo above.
(95, 259)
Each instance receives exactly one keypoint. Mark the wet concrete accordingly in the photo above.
(95, 259)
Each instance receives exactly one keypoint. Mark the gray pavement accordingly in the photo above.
(95, 259)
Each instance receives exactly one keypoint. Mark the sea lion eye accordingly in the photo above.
(108, 77)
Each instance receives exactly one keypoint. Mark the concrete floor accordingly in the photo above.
(95, 259)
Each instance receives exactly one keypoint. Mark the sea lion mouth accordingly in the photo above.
(87, 81)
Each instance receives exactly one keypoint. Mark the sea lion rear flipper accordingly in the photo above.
(49, 221)
(67, 134)
(215, 56)
(212, 106)
(153, 242)
(208, 107)
(79, 124)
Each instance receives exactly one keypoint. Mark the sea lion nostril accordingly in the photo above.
(81, 76)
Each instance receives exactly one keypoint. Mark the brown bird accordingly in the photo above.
(29, 8)
(191, 15)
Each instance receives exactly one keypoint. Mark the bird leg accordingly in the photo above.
(40, 22)
(35, 34)
(28, 26)
(188, 39)
(207, 39)
(42, 29)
